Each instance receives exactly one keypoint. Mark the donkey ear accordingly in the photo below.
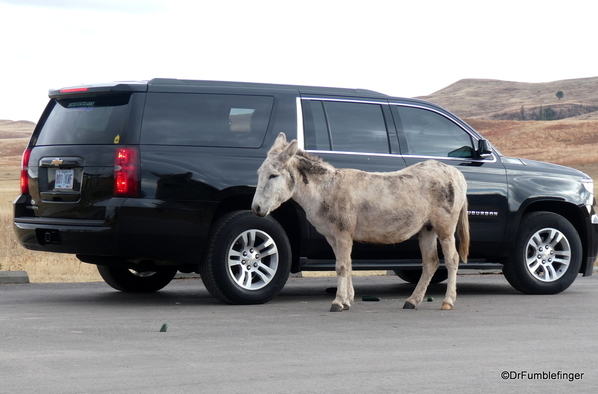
(288, 152)
(279, 143)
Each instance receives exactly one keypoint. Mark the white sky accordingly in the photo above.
(400, 47)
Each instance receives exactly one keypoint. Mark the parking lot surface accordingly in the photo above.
(88, 338)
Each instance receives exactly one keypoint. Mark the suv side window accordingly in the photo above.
(428, 133)
(206, 119)
(345, 126)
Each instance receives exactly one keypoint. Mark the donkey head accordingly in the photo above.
(275, 183)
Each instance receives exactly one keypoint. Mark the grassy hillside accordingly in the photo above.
(566, 142)
(572, 143)
(499, 100)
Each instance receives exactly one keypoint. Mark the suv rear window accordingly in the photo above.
(217, 120)
(85, 120)
(345, 126)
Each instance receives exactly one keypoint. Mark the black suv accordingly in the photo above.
(145, 179)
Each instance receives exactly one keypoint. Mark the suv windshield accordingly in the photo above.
(85, 120)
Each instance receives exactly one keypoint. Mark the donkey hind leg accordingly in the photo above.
(344, 291)
(430, 262)
(451, 260)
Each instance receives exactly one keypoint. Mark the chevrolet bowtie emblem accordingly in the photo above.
(56, 162)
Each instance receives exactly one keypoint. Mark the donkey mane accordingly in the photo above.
(311, 157)
(309, 165)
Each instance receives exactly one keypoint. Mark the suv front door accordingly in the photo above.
(425, 133)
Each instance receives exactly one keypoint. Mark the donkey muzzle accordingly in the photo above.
(257, 209)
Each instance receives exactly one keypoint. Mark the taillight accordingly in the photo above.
(25, 171)
(126, 172)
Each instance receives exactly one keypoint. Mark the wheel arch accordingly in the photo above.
(287, 215)
(569, 211)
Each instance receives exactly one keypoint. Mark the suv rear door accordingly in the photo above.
(351, 133)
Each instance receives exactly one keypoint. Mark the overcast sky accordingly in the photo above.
(402, 48)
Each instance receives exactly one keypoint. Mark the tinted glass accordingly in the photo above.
(317, 136)
(350, 127)
(206, 119)
(91, 120)
(431, 134)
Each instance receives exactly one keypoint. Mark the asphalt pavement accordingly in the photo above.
(88, 338)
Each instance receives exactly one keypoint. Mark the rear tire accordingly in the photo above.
(547, 255)
(132, 281)
(248, 259)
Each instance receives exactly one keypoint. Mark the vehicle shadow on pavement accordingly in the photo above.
(395, 287)
(193, 292)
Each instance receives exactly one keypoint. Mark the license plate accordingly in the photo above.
(64, 179)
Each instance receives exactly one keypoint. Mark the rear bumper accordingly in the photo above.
(135, 229)
(107, 242)
(59, 237)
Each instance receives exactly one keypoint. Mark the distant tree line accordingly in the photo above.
(546, 113)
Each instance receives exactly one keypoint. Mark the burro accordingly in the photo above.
(346, 205)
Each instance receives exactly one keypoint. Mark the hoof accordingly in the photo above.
(446, 306)
(336, 308)
(408, 305)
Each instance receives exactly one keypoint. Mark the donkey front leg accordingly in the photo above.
(430, 262)
(344, 291)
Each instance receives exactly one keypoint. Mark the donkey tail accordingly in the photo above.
(463, 233)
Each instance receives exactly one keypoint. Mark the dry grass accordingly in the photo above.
(40, 266)
(566, 142)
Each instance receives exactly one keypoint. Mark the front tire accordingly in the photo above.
(547, 255)
(131, 281)
(248, 259)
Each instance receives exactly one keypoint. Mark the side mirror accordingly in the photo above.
(484, 150)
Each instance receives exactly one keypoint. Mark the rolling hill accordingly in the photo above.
(18, 129)
(504, 100)
(13, 140)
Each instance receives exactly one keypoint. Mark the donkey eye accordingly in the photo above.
(273, 176)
